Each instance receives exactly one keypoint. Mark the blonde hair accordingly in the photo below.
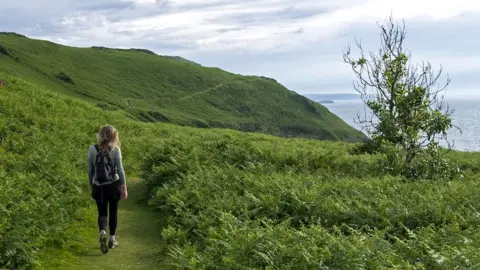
(108, 138)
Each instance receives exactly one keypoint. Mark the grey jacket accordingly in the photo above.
(116, 155)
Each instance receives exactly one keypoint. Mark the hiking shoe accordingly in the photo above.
(112, 243)
(103, 242)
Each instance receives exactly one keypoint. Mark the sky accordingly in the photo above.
(297, 42)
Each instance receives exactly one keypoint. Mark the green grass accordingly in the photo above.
(44, 198)
(256, 202)
(137, 234)
(228, 200)
(155, 88)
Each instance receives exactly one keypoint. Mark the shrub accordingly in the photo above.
(64, 76)
(4, 50)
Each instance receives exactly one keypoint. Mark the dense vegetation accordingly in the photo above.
(44, 139)
(157, 88)
(40, 172)
(232, 199)
(243, 202)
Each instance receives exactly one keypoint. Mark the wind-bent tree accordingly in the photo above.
(407, 104)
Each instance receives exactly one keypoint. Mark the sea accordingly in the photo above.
(466, 117)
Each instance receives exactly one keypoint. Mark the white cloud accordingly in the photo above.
(297, 42)
(267, 30)
(142, 2)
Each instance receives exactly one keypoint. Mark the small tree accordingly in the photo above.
(407, 104)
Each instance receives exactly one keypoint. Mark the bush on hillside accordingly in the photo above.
(12, 34)
(4, 50)
(432, 164)
(142, 50)
(64, 76)
(124, 50)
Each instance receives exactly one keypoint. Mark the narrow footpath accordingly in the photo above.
(138, 234)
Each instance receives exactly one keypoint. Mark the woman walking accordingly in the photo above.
(107, 181)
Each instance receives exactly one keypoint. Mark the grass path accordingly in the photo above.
(214, 88)
(138, 234)
(202, 92)
(128, 101)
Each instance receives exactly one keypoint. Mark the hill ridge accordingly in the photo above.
(150, 89)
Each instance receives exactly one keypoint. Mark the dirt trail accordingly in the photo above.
(201, 92)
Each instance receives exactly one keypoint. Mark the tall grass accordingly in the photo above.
(233, 200)
(257, 202)
(44, 139)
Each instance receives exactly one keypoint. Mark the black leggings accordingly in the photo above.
(107, 198)
(102, 215)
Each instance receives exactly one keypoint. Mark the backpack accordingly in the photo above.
(104, 169)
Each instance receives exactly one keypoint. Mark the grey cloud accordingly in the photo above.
(455, 36)
(163, 3)
(314, 66)
(293, 13)
(300, 31)
(165, 47)
(20, 16)
(208, 5)
(37, 18)
(13, 22)
(127, 14)
(49, 28)
(318, 67)
(157, 44)
(159, 41)
(30, 18)
(225, 30)
(75, 24)
(124, 33)
(267, 17)
(103, 5)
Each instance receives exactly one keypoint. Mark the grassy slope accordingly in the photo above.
(154, 88)
(44, 138)
(233, 199)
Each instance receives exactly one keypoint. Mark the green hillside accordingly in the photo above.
(231, 200)
(152, 88)
(44, 137)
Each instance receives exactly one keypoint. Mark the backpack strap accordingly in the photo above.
(111, 160)
(109, 157)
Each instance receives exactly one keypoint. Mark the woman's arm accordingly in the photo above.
(121, 173)
(91, 165)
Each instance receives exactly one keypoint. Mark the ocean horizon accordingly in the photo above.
(466, 117)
